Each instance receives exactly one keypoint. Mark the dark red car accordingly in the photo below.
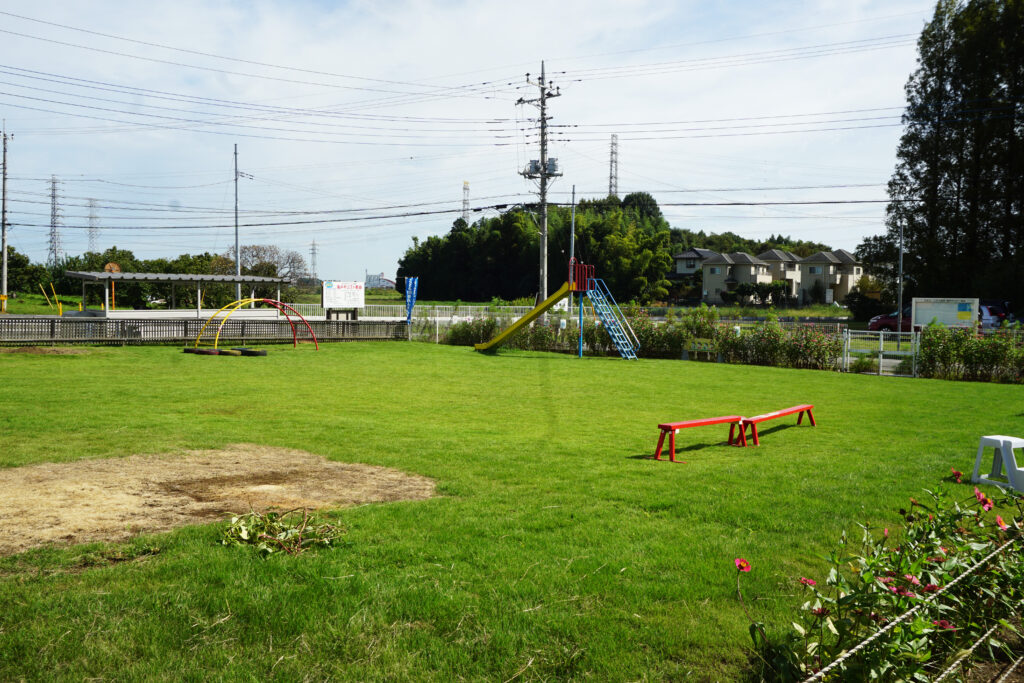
(889, 321)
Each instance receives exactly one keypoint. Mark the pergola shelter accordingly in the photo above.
(109, 280)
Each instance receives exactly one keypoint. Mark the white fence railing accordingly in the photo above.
(397, 311)
(883, 353)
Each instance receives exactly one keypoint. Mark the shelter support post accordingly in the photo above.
(106, 295)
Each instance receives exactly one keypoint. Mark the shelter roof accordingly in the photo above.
(172, 277)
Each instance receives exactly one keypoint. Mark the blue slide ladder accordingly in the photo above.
(611, 317)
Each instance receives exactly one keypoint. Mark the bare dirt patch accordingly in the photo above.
(44, 350)
(113, 499)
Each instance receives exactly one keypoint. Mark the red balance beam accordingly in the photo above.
(671, 428)
(752, 422)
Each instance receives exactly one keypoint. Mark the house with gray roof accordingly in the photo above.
(832, 275)
(784, 266)
(724, 272)
(688, 263)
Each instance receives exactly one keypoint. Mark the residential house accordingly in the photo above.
(784, 267)
(688, 263)
(832, 273)
(724, 272)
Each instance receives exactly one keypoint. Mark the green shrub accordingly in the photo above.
(963, 354)
(864, 363)
(475, 331)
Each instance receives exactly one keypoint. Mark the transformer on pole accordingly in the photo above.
(542, 170)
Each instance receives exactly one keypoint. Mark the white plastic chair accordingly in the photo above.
(1002, 458)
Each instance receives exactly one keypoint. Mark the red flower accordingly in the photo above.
(885, 532)
(903, 592)
(957, 474)
(809, 582)
(886, 579)
(1001, 523)
(820, 611)
(742, 564)
(929, 588)
(912, 579)
(986, 503)
(944, 625)
(978, 494)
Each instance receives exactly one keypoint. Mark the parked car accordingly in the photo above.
(998, 309)
(888, 321)
(991, 317)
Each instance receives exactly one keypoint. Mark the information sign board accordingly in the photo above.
(343, 294)
(948, 312)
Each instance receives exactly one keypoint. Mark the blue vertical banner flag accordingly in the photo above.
(411, 285)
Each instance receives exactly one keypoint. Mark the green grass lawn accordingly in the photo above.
(555, 551)
(36, 304)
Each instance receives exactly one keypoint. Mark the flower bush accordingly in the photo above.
(874, 583)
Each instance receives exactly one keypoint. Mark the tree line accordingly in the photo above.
(628, 240)
(255, 259)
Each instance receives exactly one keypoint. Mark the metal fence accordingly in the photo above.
(397, 311)
(34, 330)
(881, 353)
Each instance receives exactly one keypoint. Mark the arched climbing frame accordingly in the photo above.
(235, 305)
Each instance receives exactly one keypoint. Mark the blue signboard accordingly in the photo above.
(411, 285)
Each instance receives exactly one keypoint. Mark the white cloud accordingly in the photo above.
(415, 44)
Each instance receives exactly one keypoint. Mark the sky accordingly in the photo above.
(358, 123)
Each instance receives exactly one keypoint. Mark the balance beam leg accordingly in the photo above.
(661, 441)
(732, 430)
(810, 416)
(753, 430)
(672, 446)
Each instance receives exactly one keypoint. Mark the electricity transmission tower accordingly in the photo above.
(542, 169)
(94, 227)
(465, 201)
(54, 255)
(312, 260)
(613, 168)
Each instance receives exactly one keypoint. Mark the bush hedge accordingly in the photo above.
(959, 354)
(768, 344)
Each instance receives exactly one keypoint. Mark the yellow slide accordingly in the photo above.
(562, 292)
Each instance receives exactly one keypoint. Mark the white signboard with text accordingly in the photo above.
(343, 294)
(949, 312)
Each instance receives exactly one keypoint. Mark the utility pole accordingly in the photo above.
(613, 168)
(899, 293)
(94, 227)
(54, 258)
(465, 201)
(572, 246)
(542, 170)
(238, 259)
(3, 230)
(312, 260)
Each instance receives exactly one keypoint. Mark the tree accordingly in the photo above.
(22, 274)
(958, 188)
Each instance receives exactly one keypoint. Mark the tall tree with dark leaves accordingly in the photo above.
(958, 187)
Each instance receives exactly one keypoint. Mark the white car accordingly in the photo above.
(988, 319)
